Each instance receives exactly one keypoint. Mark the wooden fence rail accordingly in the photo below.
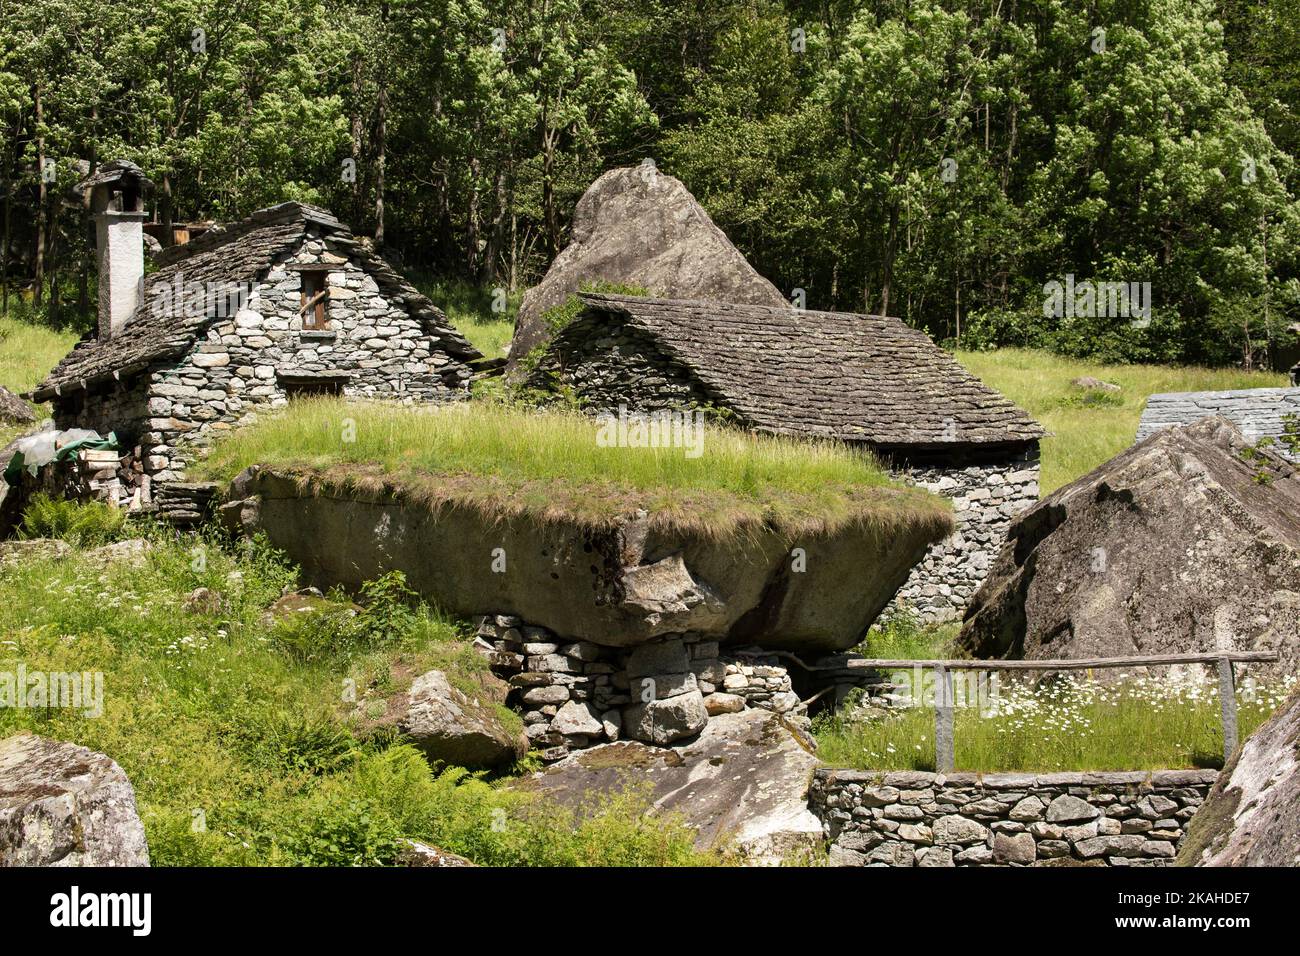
(943, 709)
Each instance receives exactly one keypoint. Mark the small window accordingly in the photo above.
(312, 301)
(317, 389)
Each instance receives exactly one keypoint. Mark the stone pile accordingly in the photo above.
(576, 694)
(184, 503)
(912, 818)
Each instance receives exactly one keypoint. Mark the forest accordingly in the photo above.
(945, 161)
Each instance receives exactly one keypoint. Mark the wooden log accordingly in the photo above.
(1228, 707)
(1147, 660)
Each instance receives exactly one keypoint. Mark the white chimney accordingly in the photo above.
(117, 202)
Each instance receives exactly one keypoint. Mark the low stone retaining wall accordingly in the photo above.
(576, 694)
(912, 818)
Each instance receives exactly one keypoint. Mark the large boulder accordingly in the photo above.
(64, 805)
(1187, 542)
(742, 784)
(456, 728)
(1252, 816)
(13, 410)
(620, 585)
(639, 227)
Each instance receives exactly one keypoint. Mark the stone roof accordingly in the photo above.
(240, 252)
(858, 378)
(111, 172)
(1257, 412)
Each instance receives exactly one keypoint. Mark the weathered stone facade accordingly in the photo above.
(255, 355)
(621, 366)
(914, 818)
(575, 695)
(986, 497)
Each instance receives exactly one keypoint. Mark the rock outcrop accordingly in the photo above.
(742, 784)
(639, 227)
(455, 728)
(620, 585)
(1252, 816)
(64, 805)
(1187, 542)
(13, 410)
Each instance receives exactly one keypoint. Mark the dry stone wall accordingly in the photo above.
(913, 818)
(617, 365)
(576, 694)
(985, 497)
(372, 347)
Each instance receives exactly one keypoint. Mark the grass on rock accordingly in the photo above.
(549, 465)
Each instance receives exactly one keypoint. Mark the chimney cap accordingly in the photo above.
(116, 171)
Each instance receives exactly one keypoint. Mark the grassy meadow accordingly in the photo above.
(27, 353)
(1066, 723)
(1085, 432)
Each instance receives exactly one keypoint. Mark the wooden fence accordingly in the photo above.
(943, 709)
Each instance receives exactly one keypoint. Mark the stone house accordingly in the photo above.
(239, 320)
(1258, 412)
(866, 380)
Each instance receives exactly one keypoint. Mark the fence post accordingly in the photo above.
(943, 729)
(1228, 708)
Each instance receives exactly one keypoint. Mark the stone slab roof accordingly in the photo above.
(858, 378)
(1257, 412)
(240, 252)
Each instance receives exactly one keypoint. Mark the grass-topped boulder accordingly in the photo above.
(489, 509)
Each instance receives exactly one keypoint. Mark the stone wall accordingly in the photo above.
(986, 497)
(620, 366)
(912, 818)
(578, 694)
(250, 361)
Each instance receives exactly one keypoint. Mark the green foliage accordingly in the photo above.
(89, 524)
(940, 160)
(243, 754)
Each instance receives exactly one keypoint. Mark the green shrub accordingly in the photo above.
(82, 525)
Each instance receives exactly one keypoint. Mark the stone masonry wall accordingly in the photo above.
(985, 497)
(912, 818)
(621, 366)
(578, 694)
(238, 368)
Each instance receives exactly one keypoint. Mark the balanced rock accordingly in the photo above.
(741, 784)
(639, 227)
(1176, 545)
(451, 727)
(65, 805)
(1251, 816)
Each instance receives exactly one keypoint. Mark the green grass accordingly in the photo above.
(244, 751)
(1067, 724)
(484, 317)
(27, 353)
(549, 466)
(1083, 436)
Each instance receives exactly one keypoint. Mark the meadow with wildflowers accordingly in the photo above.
(1168, 719)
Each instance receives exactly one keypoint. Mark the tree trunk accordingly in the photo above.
(41, 217)
(487, 270)
(381, 136)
